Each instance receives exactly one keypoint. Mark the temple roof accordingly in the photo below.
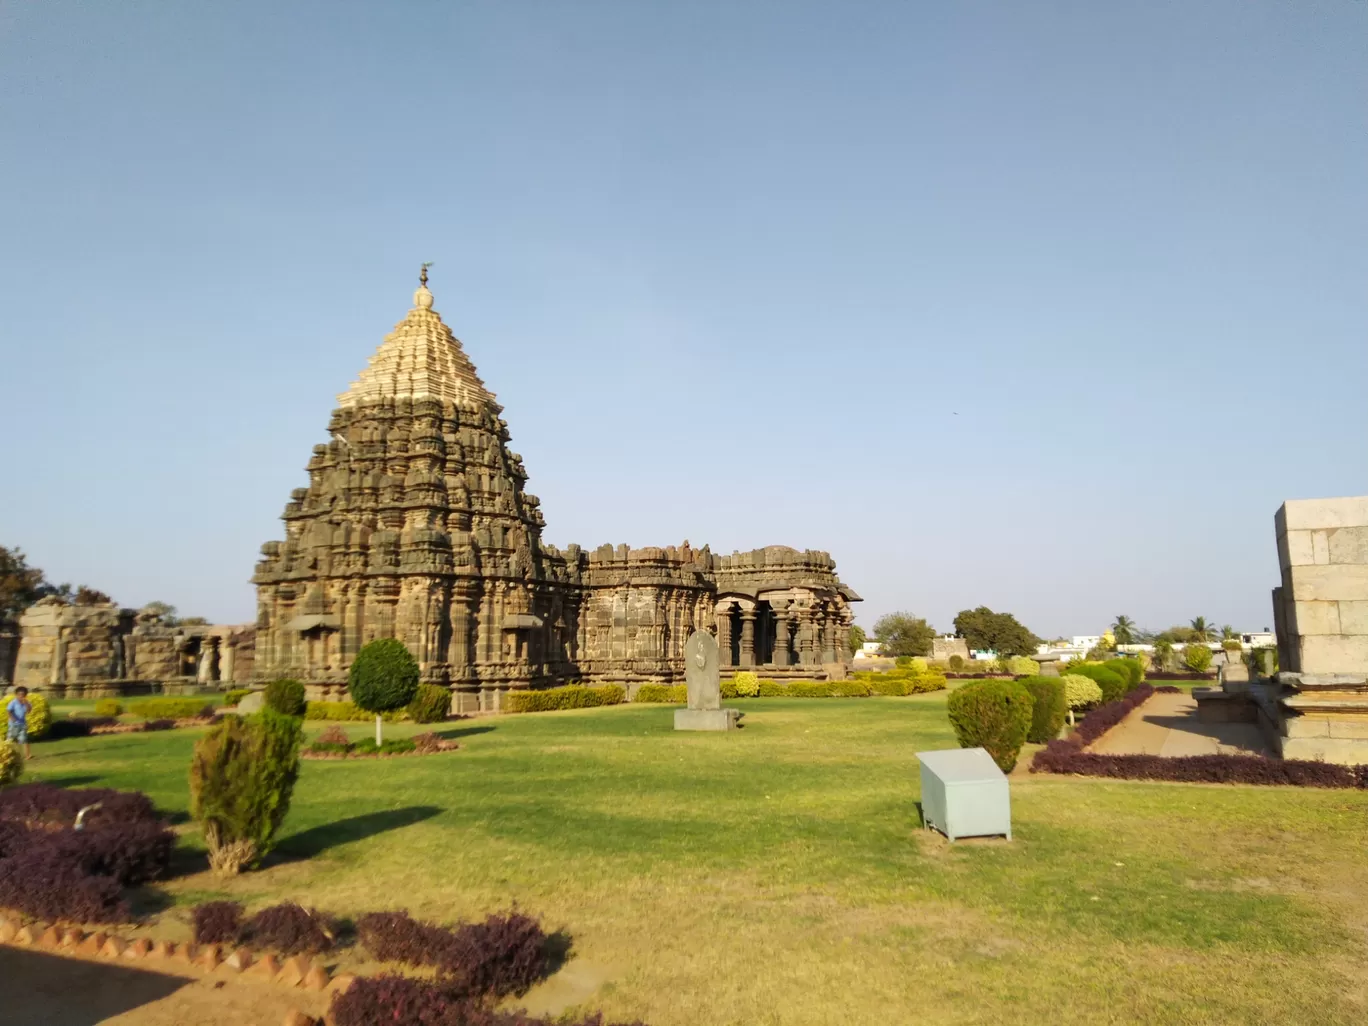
(419, 359)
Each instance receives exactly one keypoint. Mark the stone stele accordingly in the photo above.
(705, 710)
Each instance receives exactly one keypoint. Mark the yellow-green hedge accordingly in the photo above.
(666, 694)
(573, 696)
(348, 711)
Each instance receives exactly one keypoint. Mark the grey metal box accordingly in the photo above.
(964, 794)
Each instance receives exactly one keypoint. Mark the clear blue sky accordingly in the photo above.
(1045, 306)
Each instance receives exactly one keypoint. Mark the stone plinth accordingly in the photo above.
(706, 719)
(1321, 616)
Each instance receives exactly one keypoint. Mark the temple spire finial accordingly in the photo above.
(423, 298)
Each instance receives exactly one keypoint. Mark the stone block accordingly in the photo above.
(1330, 583)
(140, 948)
(1343, 751)
(112, 948)
(239, 960)
(1314, 618)
(27, 936)
(1350, 728)
(1318, 514)
(1294, 549)
(294, 970)
(51, 937)
(1342, 653)
(265, 967)
(1353, 618)
(316, 978)
(1320, 548)
(209, 957)
(1305, 726)
(341, 983)
(706, 719)
(1347, 545)
(94, 944)
(163, 949)
(72, 938)
(187, 953)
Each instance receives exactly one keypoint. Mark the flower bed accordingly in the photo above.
(1069, 756)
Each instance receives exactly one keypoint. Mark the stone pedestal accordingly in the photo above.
(706, 719)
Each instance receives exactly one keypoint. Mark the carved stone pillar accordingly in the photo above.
(205, 672)
(781, 634)
(724, 636)
(806, 641)
(748, 637)
(828, 637)
(226, 657)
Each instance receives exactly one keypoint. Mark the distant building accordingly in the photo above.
(1259, 639)
(948, 645)
(869, 650)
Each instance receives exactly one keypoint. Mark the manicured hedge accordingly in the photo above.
(1049, 708)
(903, 682)
(109, 707)
(1113, 684)
(285, 696)
(167, 708)
(347, 711)
(573, 696)
(1129, 668)
(668, 694)
(431, 704)
(994, 715)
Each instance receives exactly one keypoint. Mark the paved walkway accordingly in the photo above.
(1167, 725)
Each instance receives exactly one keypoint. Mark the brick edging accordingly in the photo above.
(296, 971)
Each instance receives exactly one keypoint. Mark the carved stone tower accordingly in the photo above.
(414, 525)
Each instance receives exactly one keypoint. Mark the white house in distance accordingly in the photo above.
(869, 650)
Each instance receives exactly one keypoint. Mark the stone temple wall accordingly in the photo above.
(416, 524)
(79, 650)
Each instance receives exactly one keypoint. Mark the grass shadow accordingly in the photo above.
(921, 815)
(452, 735)
(76, 780)
(316, 840)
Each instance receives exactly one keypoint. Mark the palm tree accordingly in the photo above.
(1123, 630)
(1201, 630)
(1228, 633)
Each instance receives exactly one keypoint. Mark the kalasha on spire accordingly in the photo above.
(419, 359)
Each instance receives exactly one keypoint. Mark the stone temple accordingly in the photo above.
(416, 524)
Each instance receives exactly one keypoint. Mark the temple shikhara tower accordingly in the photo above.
(416, 524)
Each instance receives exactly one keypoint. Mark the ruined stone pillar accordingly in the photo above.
(724, 636)
(827, 634)
(748, 637)
(204, 672)
(226, 659)
(781, 634)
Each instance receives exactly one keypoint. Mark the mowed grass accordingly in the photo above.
(779, 874)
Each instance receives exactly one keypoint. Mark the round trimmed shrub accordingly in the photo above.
(11, 763)
(430, 704)
(1080, 692)
(39, 716)
(994, 715)
(286, 697)
(383, 677)
(747, 684)
(1129, 669)
(957, 662)
(1113, 685)
(108, 707)
(1049, 708)
(1022, 666)
(1196, 658)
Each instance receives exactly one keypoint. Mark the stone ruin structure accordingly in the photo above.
(81, 651)
(1316, 706)
(416, 524)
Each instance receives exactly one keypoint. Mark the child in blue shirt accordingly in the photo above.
(16, 729)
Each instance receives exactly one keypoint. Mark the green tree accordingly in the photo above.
(1201, 630)
(1163, 653)
(242, 776)
(87, 596)
(1197, 657)
(1123, 630)
(165, 610)
(383, 677)
(1229, 633)
(982, 629)
(857, 638)
(902, 634)
(21, 585)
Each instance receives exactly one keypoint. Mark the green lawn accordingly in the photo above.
(779, 875)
